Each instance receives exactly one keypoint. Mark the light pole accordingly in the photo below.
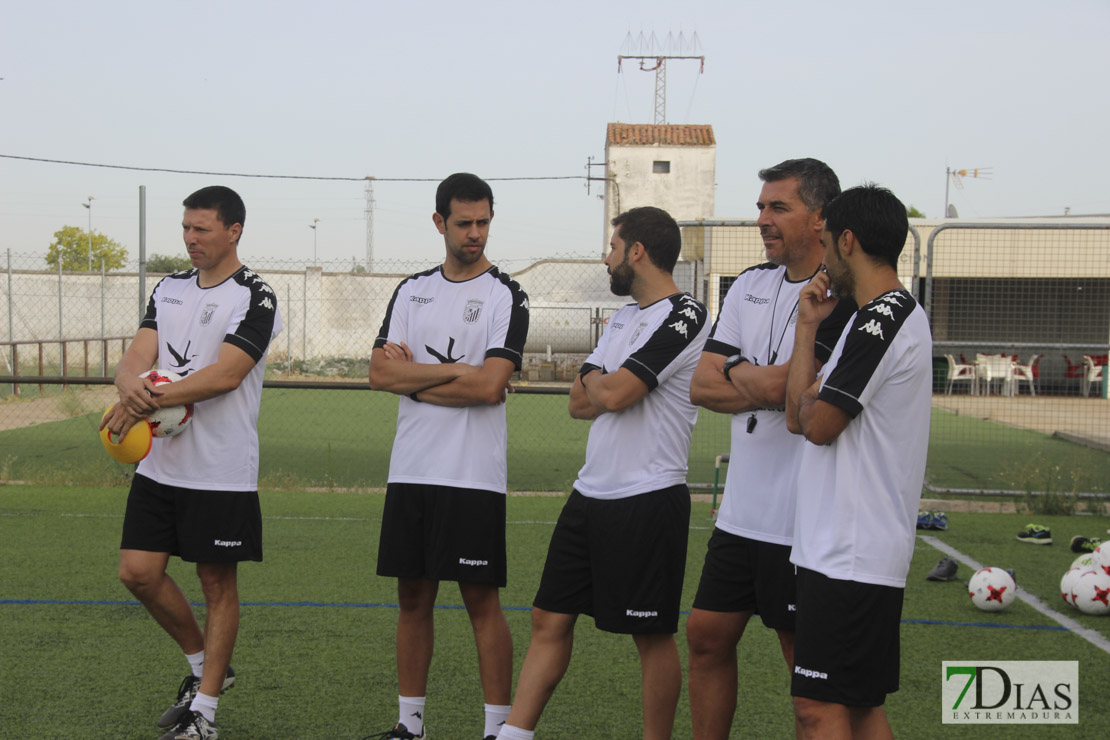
(89, 206)
(313, 227)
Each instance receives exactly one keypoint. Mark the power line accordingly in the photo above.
(271, 177)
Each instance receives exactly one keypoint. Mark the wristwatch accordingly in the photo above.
(732, 362)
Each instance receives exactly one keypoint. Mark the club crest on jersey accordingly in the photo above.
(473, 310)
(207, 313)
(636, 334)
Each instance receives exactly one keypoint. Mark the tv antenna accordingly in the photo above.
(653, 57)
(956, 177)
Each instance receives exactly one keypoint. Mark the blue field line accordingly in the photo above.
(383, 605)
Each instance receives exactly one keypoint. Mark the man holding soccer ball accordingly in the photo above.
(451, 338)
(866, 421)
(196, 494)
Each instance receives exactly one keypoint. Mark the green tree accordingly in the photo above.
(71, 244)
(166, 263)
(912, 212)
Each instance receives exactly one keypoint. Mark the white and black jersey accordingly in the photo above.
(757, 321)
(219, 452)
(445, 321)
(646, 446)
(858, 497)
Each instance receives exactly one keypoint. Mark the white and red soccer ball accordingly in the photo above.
(992, 589)
(1091, 592)
(167, 421)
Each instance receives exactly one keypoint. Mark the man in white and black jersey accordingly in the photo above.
(451, 338)
(196, 494)
(742, 372)
(866, 419)
(618, 552)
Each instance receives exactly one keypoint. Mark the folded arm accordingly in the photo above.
(393, 370)
(748, 386)
(487, 385)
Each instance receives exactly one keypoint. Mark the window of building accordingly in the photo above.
(661, 166)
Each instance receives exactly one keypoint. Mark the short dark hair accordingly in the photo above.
(656, 230)
(875, 216)
(225, 202)
(817, 183)
(463, 187)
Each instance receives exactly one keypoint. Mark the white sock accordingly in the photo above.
(206, 705)
(196, 662)
(496, 714)
(412, 713)
(508, 732)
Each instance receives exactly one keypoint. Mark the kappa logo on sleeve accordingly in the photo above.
(883, 309)
(873, 328)
(680, 327)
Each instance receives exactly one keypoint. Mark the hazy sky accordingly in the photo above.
(883, 91)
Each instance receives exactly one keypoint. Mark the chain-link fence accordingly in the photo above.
(1020, 316)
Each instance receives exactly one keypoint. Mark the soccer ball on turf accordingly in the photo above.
(991, 589)
(168, 421)
(1100, 558)
(1086, 561)
(1091, 593)
(1067, 583)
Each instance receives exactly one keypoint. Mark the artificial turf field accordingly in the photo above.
(78, 658)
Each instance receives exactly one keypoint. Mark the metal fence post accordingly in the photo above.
(11, 324)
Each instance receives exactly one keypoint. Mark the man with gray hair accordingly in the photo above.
(742, 372)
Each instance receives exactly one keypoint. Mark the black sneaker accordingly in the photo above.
(192, 726)
(1035, 534)
(1084, 544)
(185, 695)
(945, 570)
(399, 731)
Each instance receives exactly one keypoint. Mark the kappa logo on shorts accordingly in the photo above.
(475, 563)
(227, 543)
(810, 674)
(640, 614)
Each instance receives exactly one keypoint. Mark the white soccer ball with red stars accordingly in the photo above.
(1100, 558)
(1091, 593)
(1067, 583)
(992, 589)
(168, 421)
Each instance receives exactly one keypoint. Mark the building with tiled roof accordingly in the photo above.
(670, 166)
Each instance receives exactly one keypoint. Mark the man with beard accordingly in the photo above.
(618, 552)
(451, 338)
(859, 482)
(742, 372)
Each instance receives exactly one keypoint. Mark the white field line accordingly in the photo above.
(1092, 636)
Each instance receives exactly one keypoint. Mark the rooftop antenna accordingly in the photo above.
(956, 178)
(653, 57)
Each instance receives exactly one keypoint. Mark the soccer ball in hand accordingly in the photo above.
(1091, 593)
(168, 421)
(992, 589)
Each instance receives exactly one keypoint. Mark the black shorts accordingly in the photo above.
(443, 534)
(746, 575)
(621, 561)
(197, 526)
(846, 648)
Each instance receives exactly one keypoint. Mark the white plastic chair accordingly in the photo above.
(996, 367)
(1027, 373)
(1092, 374)
(958, 372)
